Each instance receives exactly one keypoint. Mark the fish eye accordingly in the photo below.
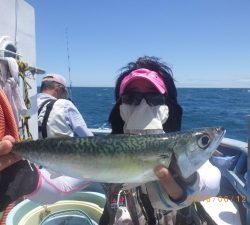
(203, 141)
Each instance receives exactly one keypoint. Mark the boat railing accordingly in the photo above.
(33, 70)
(100, 131)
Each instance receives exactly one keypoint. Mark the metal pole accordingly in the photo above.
(31, 69)
(248, 175)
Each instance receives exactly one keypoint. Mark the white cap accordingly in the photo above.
(55, 77)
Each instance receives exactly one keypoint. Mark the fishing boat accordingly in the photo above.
(17, 40)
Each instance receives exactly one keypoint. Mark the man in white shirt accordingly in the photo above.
(58, 116)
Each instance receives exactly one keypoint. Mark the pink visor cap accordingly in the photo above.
(55, 77)
(146, 74)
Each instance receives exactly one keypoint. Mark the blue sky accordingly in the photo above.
(205, 42)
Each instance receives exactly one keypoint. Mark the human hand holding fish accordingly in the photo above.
(126, 159)
(171, 187)
(167, 179)
(7, 158)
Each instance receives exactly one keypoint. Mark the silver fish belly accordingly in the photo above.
(122, 158)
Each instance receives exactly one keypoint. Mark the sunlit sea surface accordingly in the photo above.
(202, 107)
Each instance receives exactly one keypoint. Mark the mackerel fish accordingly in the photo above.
(123, 158)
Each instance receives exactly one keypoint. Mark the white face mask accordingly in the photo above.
(143, 119)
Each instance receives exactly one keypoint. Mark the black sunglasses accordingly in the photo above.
(134, 98)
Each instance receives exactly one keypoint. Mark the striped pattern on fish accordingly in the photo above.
(123, 158)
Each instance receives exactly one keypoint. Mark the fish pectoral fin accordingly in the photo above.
(163, 159)
(157, 158)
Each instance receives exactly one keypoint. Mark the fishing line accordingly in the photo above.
(69, 69)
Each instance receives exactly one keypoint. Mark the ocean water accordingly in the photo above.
(202, 107)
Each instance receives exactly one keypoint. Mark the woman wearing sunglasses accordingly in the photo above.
(146, 103)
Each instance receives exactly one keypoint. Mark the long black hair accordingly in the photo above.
(173, 122)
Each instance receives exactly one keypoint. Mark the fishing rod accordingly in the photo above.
(69, 69)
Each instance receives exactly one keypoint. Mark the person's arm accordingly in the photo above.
(75, 120)
(52, 187)
(167, 194)
(207, 185)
